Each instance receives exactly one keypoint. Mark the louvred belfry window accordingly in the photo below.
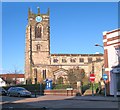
(38, 47)
(38, 32)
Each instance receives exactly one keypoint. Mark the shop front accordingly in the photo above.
(115, 81)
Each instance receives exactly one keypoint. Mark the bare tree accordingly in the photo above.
(16, 72)
(11, 80)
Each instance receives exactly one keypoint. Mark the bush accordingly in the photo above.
(60, 86)
(95, 86)
(85, 87)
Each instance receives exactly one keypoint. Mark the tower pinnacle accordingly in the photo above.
(48, 11)
(38, 10)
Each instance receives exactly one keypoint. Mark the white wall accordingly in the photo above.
(2, 83)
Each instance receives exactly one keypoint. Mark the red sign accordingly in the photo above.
(92, 77)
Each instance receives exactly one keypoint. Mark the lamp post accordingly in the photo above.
(99, 45)
(103, 69)
(103, 51)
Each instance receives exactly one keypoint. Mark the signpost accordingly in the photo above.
(92, 79)
(105, 77)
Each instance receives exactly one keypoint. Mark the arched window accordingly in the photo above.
(35, 73)
(38, 47)
(38, 31)
(44, 74)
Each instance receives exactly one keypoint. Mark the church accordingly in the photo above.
(40, 64)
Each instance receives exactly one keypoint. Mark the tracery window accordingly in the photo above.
(98, 59)
(89, 60)
(73, 60)
(64, 60)
(55, 60)
(81, 60)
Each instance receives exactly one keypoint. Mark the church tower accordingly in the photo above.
(37, 52)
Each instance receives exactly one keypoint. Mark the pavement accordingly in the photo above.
(97, 98)
(84, 98)
(57, 101)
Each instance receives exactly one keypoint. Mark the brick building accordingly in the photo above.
(40, 64)
(111, 41)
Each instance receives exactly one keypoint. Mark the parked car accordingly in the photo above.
(3, 91)
(18, 91)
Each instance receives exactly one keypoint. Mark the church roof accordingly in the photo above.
(76, 54)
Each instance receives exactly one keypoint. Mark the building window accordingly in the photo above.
(35, 73)
(73, 60)
(38, 47)
(55, 60)
(38, 32)
(89, 60)
(44, 74)
(81, 60)
(64, 60)
(98, 59)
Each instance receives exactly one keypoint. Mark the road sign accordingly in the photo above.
(105, 76)
(92, 77)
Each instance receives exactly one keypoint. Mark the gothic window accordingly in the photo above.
(38, 31)
(72, 60)
(81, 60)
(38, 47)
(98, 59)
(89, 60)
(55, 60)
(35, 73)
(64, 60)
(44, 74)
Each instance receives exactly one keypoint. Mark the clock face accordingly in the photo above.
(38, 18)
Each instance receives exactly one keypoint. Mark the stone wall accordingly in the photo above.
(61, 92)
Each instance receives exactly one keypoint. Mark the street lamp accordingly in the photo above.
(103, 69)
(103, 51)
(98, 45)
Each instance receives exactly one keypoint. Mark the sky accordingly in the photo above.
(75, 27)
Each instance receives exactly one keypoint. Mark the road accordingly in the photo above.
(57, 102)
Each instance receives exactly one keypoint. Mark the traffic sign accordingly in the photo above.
(105, 76)
(92, 77)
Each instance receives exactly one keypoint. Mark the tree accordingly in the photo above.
(80, 74)
(60, 80)
(71, 77)
(74, 75)
(9, 80)
(13, 80)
